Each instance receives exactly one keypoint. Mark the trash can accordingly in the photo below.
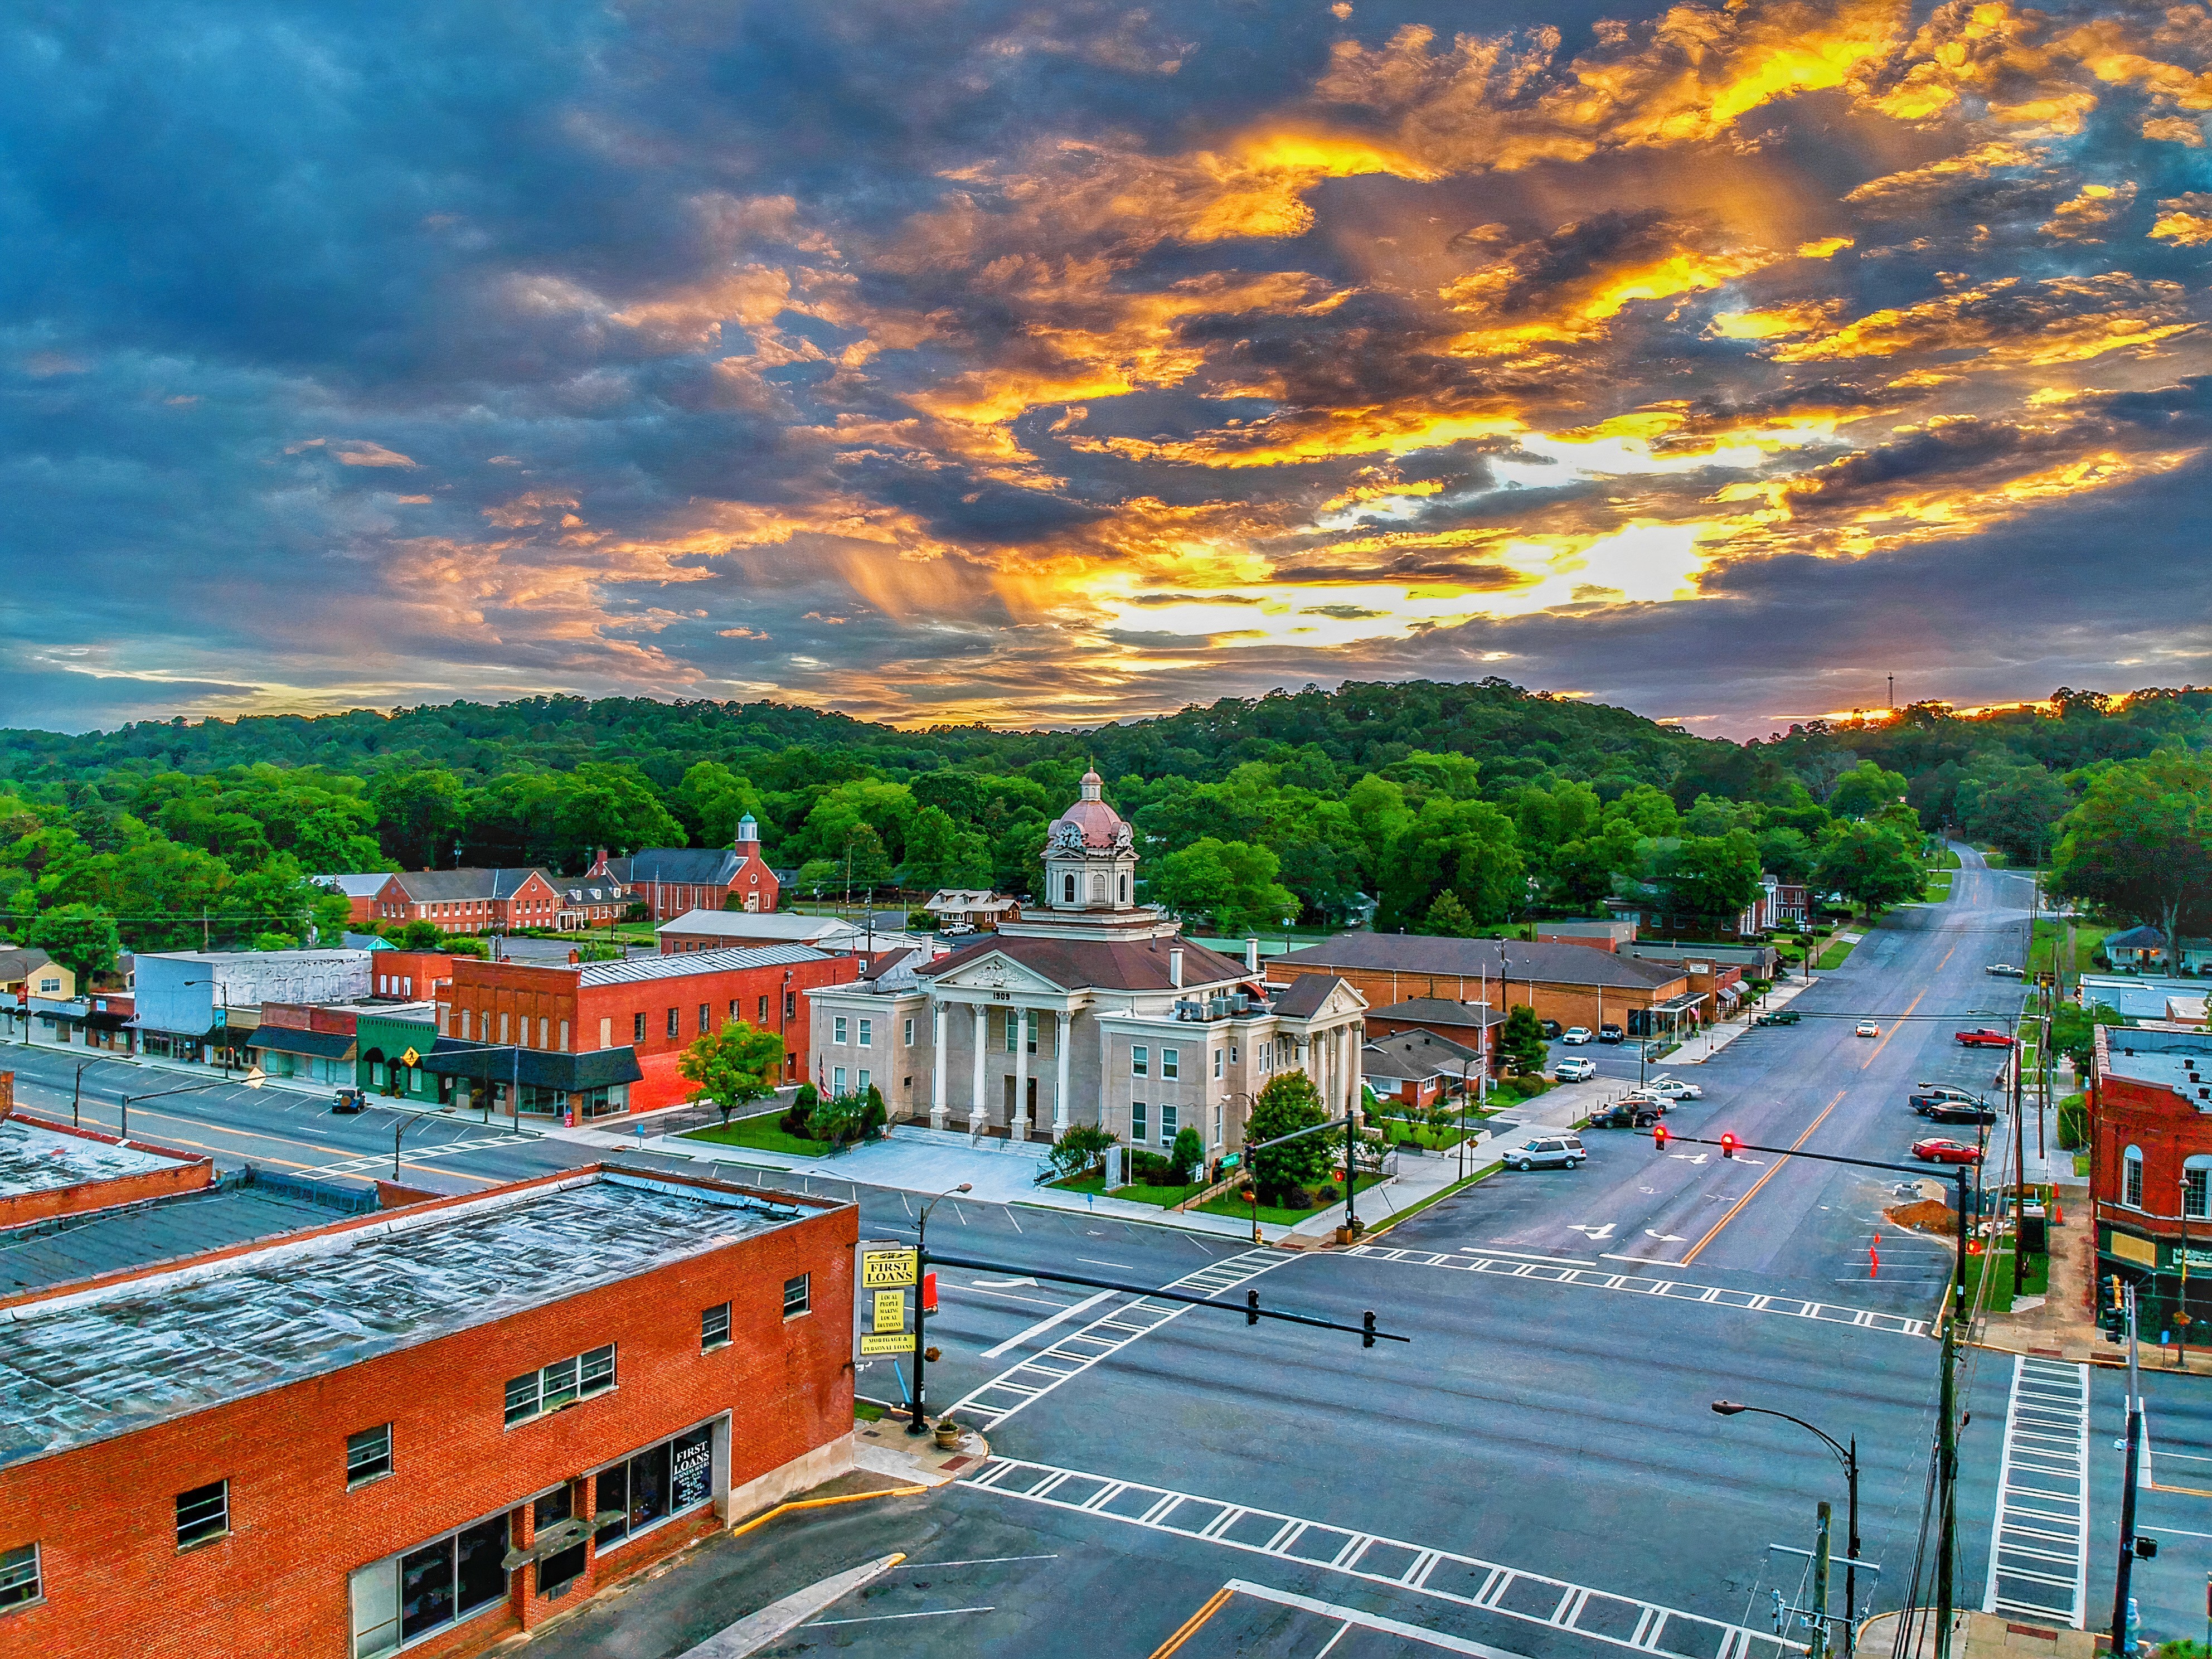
(2034, 1236)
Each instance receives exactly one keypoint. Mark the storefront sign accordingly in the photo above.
(691, 1474)
(884, 1268)
(2129, 1248)
(890, 1310)
(902, 1342)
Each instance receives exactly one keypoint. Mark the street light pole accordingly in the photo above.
(1849, 1457)
(916, 1423)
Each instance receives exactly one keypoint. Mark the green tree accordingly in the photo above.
(82, 938)
(1520, 1046)
(2012, 804)
(1448, 917)
(1469, 847)
(1710, 878)
(1869, 864)
(1186, 1154)
(418, 935)
(418, 815)
(1079, 1147)
(734, 1066)
(1289, 1101)
(2140, 844)
(1785, 852)
(1865, 790)
(940, 854)
(1232, 883)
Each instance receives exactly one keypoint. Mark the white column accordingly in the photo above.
(1018, 1127)
(940, 1114)
(976, 1097)
(1063, 1029)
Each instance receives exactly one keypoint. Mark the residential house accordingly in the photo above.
(499, 901)
(2143, 949)
(27, 971)
(1416, 1067)
(1090, 1008)
(980, 910)
(1572, 984)
(1473, 1025)
(671, 880)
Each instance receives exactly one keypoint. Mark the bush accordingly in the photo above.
(1083, 1145)
(2073, 1123)
(1186, 1155)
(920, 921)
(800, 1112)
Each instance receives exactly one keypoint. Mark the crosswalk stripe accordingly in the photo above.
(2046, 1441)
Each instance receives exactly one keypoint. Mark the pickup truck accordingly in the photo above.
(1982, 1037)
(1779, 1017)
(1628, 1115)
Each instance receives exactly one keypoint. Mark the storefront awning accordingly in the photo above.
(283, 1040)
(596, 1068)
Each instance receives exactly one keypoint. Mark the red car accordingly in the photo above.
(1945, 1151)
(1983, 1036)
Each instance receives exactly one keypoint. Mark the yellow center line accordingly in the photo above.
(1190, 1625)
(1736, 1208)
(332, 1154)
(1896, 1025)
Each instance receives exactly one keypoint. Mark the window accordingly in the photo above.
(664, 1481)
(763, 1010)
(796, 1296)
(564, 1037)
(713, 1328)
(705, 1019)
(535, 1393)
(1136, 1123)
(404, 1597)
(861, 1087)
(607, 1034)
(544, 1032)
(1067, 890)
(836, 1079)
(1217, 1062)
(1170, 1063)
(2131, 1177)
(1140, 1059)
(674, 1022)
(637, 1028)
(19, 1576)
(203, 1513)
(1125, 889)
(1168, 1125)
(1029, 1029)
(2196, 1172)
(368, 1455)
(791, 1004)
(1011, 1021)
(838, 1028)
(49, 987)
(867, 1033)
(909, 1034)
(503, 1026)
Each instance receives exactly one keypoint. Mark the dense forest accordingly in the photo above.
(1441, 806)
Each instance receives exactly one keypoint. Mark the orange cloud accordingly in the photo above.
(2088, 212)
(2063, 320)
(2186, 220)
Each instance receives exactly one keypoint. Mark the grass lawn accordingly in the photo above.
(1949, 860)
(1939, 886)
(1998, 1263)
(765, 1133)
(1229, 1204)
(1837, 951)
(1399, 1133)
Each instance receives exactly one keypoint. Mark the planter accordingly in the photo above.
(950, 1434)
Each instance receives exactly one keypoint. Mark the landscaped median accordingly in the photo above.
(1228, 1204)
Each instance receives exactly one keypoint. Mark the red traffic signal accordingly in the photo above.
(1728, 1144)
(1658, 1136)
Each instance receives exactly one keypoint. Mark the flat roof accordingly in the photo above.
(95, 1241)
(686, 963)
(2179, 1060)
(88, 1365)
(35, 1160)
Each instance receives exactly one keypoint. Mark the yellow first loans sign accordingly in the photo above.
(886, 1269)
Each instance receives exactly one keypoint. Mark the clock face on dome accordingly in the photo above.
(1068, 836)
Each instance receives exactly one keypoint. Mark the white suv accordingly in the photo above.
(1547, 1153)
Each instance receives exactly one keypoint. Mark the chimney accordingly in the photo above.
(1251, 953)
(1175, 967)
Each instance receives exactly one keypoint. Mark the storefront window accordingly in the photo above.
(406, 1597)
(671, 1479)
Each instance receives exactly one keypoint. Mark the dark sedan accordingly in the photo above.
(1954, 1111)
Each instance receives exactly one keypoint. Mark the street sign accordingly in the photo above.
(902, 1342)
(411, 1057)
(891, 1311)
(884, 1268)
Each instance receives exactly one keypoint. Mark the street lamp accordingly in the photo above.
(1849, 1457)
(916, 1424)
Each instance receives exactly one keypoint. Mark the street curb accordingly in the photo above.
(779, 1618)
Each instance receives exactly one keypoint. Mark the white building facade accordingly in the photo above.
(1090, 1009)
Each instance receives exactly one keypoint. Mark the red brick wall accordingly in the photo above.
(104, 1515)
(657, 1056)
(2168, 1129)
(187, 1175)
(1570, 1005)
(520, 991)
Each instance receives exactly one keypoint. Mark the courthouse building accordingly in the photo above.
(1090, 1009)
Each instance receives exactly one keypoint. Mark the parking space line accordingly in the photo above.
(1701, 1638)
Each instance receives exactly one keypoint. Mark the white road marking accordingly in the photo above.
(1004, 1284)
(1092, 1261)
(1665, 1238)
(1353, 1619)
(884, 1618)
(984, 1561)
(1674, 1290)
(1595, 1234)
(1021, 1338)
(1445, 1576)
(2039, 1541)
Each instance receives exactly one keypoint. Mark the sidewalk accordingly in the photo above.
(1717, 1037)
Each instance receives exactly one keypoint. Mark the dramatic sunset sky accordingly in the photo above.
(1055, 362)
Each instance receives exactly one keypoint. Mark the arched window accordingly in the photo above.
(1125, 889)
(1067, 890)
(2131, 1177)
(2195, 1177)
(1098, 889)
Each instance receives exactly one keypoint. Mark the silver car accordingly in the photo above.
(1547, 1153)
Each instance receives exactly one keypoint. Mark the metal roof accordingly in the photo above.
(688, 963)
(35, 1160)
(89, 1366)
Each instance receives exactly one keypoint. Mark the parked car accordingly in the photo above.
(1547, 1153)
(1611, 1034)
(1672, 1087)
(1942, 1091)
(2005, 970)
(1779, 1017)
(349, 1102)
(1945, 1151)
(1640, 1097)
(1955, 1111)
(1626, 1115)
(1982, 1037)
(1866, 1028)
(1552, 1030)
(1575, 1069)
(1576, 1034)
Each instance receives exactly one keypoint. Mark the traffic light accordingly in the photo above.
(1728, 1144)
(1658, 1136)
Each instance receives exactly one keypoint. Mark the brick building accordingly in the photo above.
(670, 880)
(430, 1428)
(471, 901)
(1572, 983)
(50, 1169)
(651, 1007)
(1469, 1025)
(2151, 1109)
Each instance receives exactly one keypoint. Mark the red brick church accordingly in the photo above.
(671, 880)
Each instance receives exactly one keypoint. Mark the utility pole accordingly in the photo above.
(1819, 1647)
(2121, 1581)
(2019, 1179)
